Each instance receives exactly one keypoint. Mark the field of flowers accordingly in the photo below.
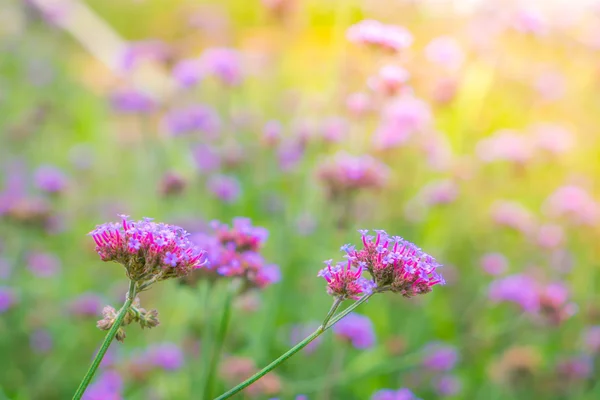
(209, 156)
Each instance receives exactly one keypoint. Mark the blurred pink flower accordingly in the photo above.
(188, 72)
(377, 34)
(574, 203)
(50, 179)
(551, 85)
(440, 357)
(439, 192)
(224, 63)
(445, 51)
(505, 145)
(43, 265)
(389, 80)
(334, 129)
(494, 263)
(358, 103)
(550, 236)
(530, 20)
(400, 120)
(513, 215)
(136, 53)
(447, 385)
(552, 138)
(226, 188)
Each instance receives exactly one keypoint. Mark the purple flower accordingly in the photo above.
(43, 265)
(171, 259)
(389, 394)
(206, 158)
(226, 188)
(440, 357)
(224, 63)
(190, 119)
(41, 341)
(128, 100)
(50, 179)
(167, 356)
(142, 51)
(108, 386)
(346, 282)
(188, 72)
(8, 298)
(447, 385)
(87, 304)
(356, 328)
(142, 247)
(394, 263)
(520, 289)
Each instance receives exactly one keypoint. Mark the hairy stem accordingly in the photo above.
(107, 341)
(328, 323)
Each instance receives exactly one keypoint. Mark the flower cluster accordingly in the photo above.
(235, 252)
(345, 173)
(377, 34)
(149, 251)
(394, 264)
(550, 301)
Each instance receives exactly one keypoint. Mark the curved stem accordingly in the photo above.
(336, 303)
(296, 348)
(107, 341)
(218, 345)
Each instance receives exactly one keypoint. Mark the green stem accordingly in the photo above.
(336, 303)
(107, 341)
(218, 346)
(294, 349)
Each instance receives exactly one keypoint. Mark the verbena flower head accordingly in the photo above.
(191, 119)
(573, 203)
(394, 264)
(389, 80)
(43, 265)
(389, 394)
(494, 263)
(129, 100)
(109, 386)
(505, 145)
(149, 251)
(87, 304)
(235, 251)
(445, 51)
(167, 356)
(591, 339)
(377, 34)
(224, 63)
(224, 187)
(447, 385)
(357, 329)
(400, 120)
(188, 72)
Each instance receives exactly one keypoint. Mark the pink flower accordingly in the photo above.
(439, 192)
(401, 119)
(494, 263)
(512, 215)
(146, 249)
(389, 80)
(445, 51)
(345, 282)
(550, 236)
(505, 145)
(574, 203)
(552, 138)
(356, 329)
(377, 34)
(440, 357)
(358, 104)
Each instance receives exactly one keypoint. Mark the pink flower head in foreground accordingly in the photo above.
(389, 394)
(394, 264)
(573, 203)
(505, 145)
(236, 252)
(400, 120)
(344, 173)
(149, 251)
(356, 329)
(377, 34)
(440, 357)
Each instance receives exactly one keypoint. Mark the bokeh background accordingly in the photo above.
(472, 133)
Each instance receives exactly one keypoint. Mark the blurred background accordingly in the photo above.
(467, 127)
